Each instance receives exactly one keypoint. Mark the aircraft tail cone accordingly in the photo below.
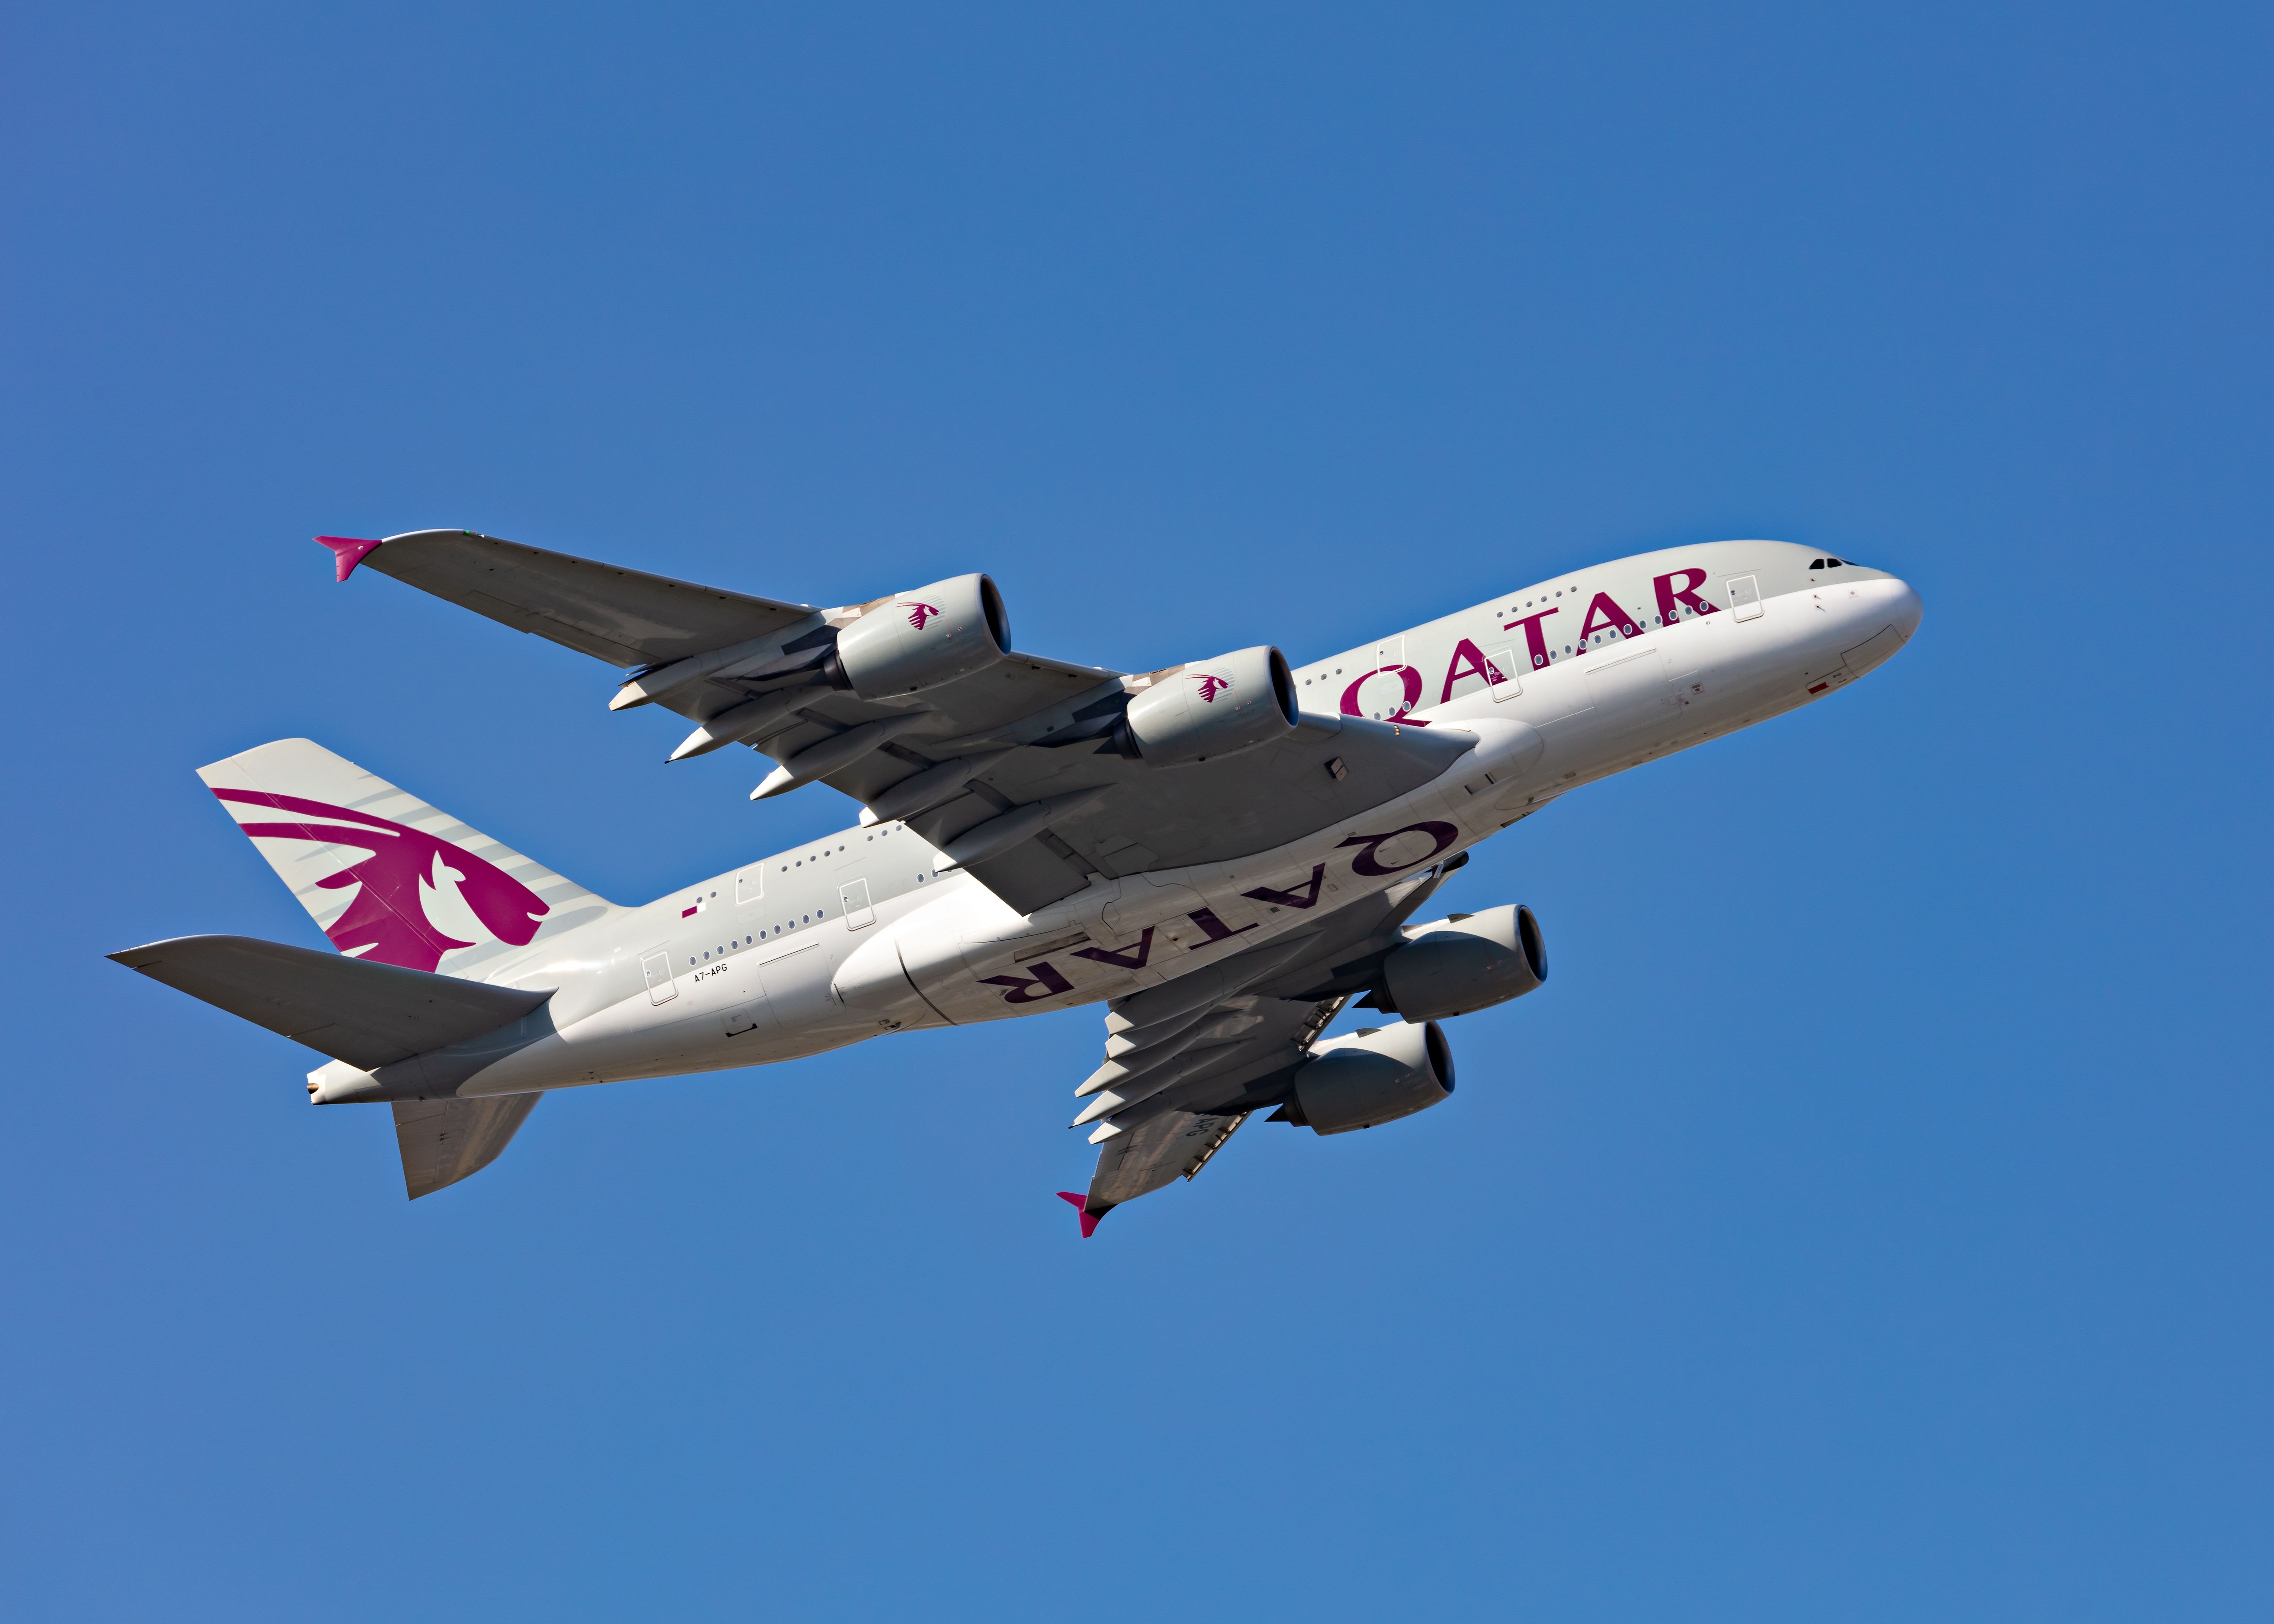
(1081, 1208)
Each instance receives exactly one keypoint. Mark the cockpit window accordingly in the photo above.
(1824, 563)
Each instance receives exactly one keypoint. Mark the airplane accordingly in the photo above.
(1226, 852)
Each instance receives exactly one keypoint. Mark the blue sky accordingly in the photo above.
(1869, 1220)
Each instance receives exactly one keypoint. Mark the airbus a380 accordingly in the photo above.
(1225, 853)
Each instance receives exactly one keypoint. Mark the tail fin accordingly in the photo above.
(385, 875)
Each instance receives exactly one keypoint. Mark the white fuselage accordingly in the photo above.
(868, 930)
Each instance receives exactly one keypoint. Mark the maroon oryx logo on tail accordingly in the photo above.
(386, 920)
(918, 614)
(1211, 684)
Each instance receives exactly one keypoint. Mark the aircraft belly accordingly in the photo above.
(735, 1017)
(1122, 935)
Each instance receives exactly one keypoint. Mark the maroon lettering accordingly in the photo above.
(1127, 957)
(1478, 667)
(1535, 641)
(1612, 615)
(1443, 834)
(1307, 897)
(1670, 596)
(1409, 679)
(1215, 928)
(1043, 983)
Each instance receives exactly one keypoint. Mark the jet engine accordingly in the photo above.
(918, 639)
(1212, 708)
(1376, 1075)
(1463, 962)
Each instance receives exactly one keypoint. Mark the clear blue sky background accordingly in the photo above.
(1870, 1221)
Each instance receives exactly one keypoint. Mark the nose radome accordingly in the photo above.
(1905, 607)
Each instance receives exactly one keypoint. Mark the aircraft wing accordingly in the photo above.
(1035, 799)
(621, 616)
(1187, 1065)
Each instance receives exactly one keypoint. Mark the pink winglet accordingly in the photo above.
(1081, 1205)
(348, 552)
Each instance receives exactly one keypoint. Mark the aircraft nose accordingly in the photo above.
(1905, 607)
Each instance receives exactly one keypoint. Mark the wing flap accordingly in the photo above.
(445, 1140)
(1174, 1146)
(366, 1014)
(1030, 876)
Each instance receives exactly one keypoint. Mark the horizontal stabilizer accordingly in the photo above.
(445, 1140)
(365, 1014)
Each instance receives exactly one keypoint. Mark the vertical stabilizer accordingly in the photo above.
(385, 875)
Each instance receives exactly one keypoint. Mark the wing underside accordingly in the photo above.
(625, 617)
(1190, 1070)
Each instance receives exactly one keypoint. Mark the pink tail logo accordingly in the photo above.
(389, 916)
(1211, 686)
(918, 614)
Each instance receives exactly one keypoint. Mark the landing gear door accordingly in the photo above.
(1745, 596)
(660, 989)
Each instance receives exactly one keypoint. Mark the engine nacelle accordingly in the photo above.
(915, 640)
(1377, 1075)
(1212, 708)
(1468, 962)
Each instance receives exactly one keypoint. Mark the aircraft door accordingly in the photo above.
(1745, 596)
(657, 966)
(1510, 683)
(1389, 689)
(853, 897)
(1633, 699)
